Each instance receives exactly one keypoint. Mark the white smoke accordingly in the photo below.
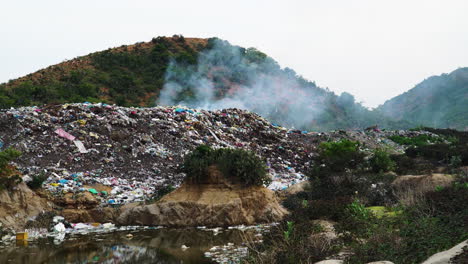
(228, 76)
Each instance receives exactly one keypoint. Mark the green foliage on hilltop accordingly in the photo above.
(238, 165)
(128, 76)
(439, 101)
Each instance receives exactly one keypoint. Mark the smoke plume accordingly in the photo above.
(228, 76)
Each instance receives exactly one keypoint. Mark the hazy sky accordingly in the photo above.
(372, 49)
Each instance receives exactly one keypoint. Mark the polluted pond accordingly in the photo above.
(88, 243)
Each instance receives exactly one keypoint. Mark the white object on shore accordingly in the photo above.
(60, 228)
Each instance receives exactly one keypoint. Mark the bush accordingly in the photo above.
(434, 225)
(236, 164)
(407, 165)
(6, 156)
(37, 181)
(290, 243)
(340, 170)
(441, 152)
(381, 162)
(341, 155)
(332, 209)
(420, 140)
(332, 173)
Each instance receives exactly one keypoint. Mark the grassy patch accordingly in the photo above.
(420, 140)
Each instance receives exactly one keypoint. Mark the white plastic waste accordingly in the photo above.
(81, 226)
(108, 225)
(60, 228)
(58, 219)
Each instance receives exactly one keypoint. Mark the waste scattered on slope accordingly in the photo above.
(137, 151)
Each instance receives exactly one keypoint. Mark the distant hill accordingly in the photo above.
(439, 101)
(205, 73)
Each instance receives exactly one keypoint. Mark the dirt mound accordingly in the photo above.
(20, 204)
(214, 203)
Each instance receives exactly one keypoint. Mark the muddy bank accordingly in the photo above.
(208, 205)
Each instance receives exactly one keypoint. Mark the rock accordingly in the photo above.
(214, 203)
(327, 234)
(84, 200)
(335, 261)
(95, 215)
(19, 205)
(330, 261)
(104, 214)
(445, 256)
(296, 188)
(77, 216)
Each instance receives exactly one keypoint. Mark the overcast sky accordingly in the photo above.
(373, 49)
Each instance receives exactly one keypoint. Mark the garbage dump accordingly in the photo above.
(136, 151)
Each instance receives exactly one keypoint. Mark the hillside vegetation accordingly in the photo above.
(127, 75)
(138, 74)
(439, 101)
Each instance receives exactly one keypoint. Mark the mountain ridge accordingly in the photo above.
(201, 73)
(438, 101)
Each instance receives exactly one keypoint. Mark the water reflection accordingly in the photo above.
(161, 246)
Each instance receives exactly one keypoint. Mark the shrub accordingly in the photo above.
(433, 225)
(6, 156)
(332, 173)
(341, 155)
(420, 140)
(440, 152)
(236, 164)
(330, 209)
(291, 243)
(381, 162)
(356, 220)
(37, 181)
(408, 165)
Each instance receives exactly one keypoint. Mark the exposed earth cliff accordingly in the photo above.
(214, 203)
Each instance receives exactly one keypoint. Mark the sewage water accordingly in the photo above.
(161, 246)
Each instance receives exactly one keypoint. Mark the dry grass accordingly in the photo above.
(305, 250)
(410, 191)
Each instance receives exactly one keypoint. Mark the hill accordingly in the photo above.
(439, 101)
(202, 73)
(127, 75)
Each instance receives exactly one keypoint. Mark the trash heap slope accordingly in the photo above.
(136, 151)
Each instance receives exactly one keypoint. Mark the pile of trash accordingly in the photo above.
(137, 151)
